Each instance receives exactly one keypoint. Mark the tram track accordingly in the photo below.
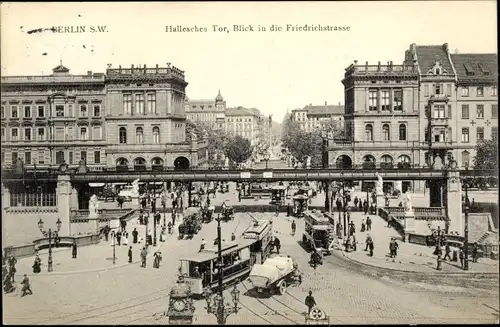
(276, 312)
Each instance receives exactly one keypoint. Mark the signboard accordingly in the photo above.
(245, 174)
(267, 174)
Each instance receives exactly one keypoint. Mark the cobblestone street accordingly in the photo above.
(129, 294)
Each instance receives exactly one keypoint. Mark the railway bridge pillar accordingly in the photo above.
(453, 203)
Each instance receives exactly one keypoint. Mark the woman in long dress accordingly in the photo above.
(125, 239)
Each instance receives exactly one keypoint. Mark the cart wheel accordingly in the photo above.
(282, 287)
(317, 314)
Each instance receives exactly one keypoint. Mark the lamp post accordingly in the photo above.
(466, 227)
(266, 158)
(438, 248)
(215, 304)
(49, 235)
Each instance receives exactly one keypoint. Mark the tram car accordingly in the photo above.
(191, 224)
(274, 275)
(201, 270)
(278, 195)
(260, 189)
(300, 205)
(318, 232)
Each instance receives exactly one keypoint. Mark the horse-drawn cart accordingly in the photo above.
(191, 224)
(207, 213)
(274, 275)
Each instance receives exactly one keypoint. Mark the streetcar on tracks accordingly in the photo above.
(278, 194)
(201, 270)
(318, 232)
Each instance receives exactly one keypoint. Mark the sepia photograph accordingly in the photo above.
(249, 163)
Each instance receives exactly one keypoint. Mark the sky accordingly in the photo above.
(273, 71)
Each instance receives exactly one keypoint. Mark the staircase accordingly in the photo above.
(483, 237)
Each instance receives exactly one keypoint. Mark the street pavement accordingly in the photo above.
(132, 295)
(410, 257)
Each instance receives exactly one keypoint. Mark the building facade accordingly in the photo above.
(312, 117)
(49, 120)
(127, 118)
(245, 123)
(208, 112)
(428, 112)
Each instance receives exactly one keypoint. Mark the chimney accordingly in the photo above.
(132, 69)
(413, 48)
(339, 103)
(157, 68)
(445, 47)
(120, 69)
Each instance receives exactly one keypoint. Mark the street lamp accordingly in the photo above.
(49, 234)
(466, 227)
(215, 304)
(266, 158)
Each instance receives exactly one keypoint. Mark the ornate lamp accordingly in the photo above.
(235, 293)
(63, 167)
(58, 224)
(82, 167)
(40, 224)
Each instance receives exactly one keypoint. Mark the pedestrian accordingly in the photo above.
(157, 260)
(144, 254)
(123, 223)
(106, 231)
(26, 286)
(310, 302)
(393, 248)
(389, 219)
(118, 237)
(8, 287)
(277, 244)
(363, 226)
(239, 195)
(277, 210)
(368, 241)
(371, 246)
(233, 237)
(12, 267)
(173, 217)
(37, 265)
(447, 251)
(169, 227)
(74, 250)
(475, 250)
(461, 256)
(365, 207)
(130, 255)
(125, 238)
(202, 245)
(135, 234)
(356, 201)
(294, 227)
(352, 229)
(368, 224)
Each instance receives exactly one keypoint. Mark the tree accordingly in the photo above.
(238, 149)
(486, 159)
(216, 139)
(486, 155)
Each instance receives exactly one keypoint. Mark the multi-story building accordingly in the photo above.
(244, 122)
(431, 109)
(127, 118)
(54, 119)
(381, 117)
(476, 115)
(208, 112)
(312, 117)
(146, 121)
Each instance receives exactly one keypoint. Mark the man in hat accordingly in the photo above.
(310, 302)
(144, 254)
(26, 286)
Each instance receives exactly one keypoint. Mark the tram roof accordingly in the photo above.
(211, 254)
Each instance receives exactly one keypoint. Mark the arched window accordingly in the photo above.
(123, 135)
(386, 161)
(465, 158)
(386, 131)
(369, 132)
(139, 135)
(402, 132)
(404, 161)
(156, 135)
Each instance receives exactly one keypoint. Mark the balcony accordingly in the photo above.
(438, 98)
(439, 144)
(439, 121)
(338, 145)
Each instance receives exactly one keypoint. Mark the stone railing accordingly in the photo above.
(66, 241)
(105, 214)
(419, 211)
(396, 222)
(31, 209)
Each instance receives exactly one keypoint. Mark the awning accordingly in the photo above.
(96, 184)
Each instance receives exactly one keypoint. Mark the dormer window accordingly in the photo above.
(438, 71)
(469, 70)
(483, 69)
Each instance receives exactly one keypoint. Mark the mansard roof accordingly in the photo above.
(476, 66)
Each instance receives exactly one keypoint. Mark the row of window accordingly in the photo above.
(381, 99)
(60, 134)
(33, 198)
(60, 111)
(464, 91)
(479, 111)
(479, 134)
(386, 132)
(73, 157)
(139, 135)
(442, 134)
(446, 89)
(238, 120)
(138, 100)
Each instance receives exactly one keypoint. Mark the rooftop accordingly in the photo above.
(427, 55)
(323, 110)
(240, 111)
(476, 66)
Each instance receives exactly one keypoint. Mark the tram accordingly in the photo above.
(201, 270)
(319, 232)
(278, 195)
